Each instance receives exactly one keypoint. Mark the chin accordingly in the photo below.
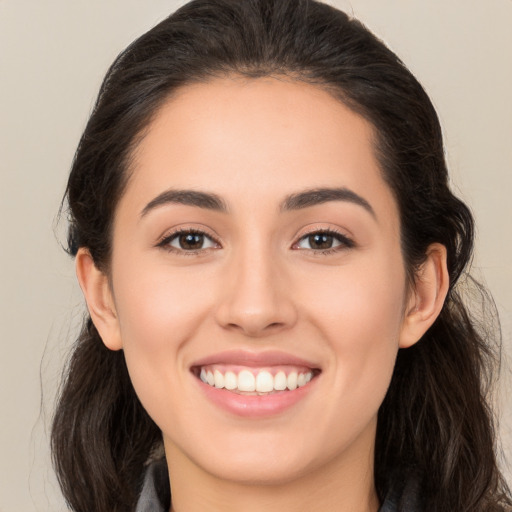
(254, 471)
(268, 458)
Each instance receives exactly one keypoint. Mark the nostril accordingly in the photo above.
(255, 329)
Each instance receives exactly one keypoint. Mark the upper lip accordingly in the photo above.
(255, 359)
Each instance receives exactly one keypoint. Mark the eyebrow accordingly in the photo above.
(298, 201)
(205, 200)
(316, 196)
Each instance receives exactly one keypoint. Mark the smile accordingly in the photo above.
(255, 384)
(255, 380)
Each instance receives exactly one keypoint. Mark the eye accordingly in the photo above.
(324, 241)
(188, 241)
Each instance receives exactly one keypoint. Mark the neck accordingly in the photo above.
(345, 484)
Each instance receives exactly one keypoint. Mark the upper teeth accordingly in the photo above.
(261, 381)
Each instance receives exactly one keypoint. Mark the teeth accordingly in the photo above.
(230, 381)
(291, 381)
(218, 379)
(262, 382)
(280, 381)
(246, 381)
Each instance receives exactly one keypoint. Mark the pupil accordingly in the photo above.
(191, 241)
(320, 241)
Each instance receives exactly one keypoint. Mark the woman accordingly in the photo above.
(269, 251)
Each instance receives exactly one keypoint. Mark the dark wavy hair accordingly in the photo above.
(435, 417)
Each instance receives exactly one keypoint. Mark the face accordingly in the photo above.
(257, 279)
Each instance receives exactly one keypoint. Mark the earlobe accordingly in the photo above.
(98, 295)
(427, 298)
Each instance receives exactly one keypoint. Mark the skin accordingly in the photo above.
(257, 285)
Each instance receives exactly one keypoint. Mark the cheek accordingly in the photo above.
(158, 313)
(157, 308)
(360, 301)
(359, 312)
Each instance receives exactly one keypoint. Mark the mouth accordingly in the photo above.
(260, 381)
(255, 383)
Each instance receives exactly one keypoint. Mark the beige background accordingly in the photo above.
(53, 54)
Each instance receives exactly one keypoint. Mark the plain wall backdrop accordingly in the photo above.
(53, 54)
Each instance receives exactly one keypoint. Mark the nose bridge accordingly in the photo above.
(255, 298)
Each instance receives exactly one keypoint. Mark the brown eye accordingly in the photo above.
(324, 241)
(189, 241)
(320, 241)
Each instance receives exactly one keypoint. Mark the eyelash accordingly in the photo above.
(344, 241)
(166, 241)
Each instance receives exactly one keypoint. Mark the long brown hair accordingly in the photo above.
(435, 419)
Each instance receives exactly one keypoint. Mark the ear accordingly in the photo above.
(100, 302)
(427, 296)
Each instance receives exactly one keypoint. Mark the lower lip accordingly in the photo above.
(255, 406)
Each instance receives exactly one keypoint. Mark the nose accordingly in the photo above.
(256, 298)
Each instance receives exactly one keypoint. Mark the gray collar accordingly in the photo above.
(156, 494)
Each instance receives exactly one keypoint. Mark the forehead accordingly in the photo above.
(263, 138)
